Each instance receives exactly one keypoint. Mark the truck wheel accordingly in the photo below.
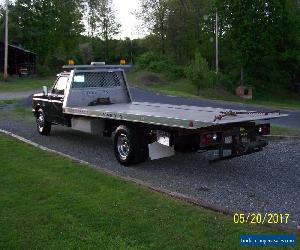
(43, 127)
(130, 146)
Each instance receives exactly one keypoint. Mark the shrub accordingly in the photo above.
(198, 73)
(149, 61)
(160, 64)
(43, 70)
(176, 72)
(225, 80)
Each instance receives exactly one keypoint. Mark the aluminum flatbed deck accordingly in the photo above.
(180, 116)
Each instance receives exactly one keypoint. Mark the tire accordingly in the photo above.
(43, 127)
(130, 145)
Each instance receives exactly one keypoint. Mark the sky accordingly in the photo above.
(131, 27)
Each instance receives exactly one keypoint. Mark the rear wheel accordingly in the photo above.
(43, 127)
(130, 145)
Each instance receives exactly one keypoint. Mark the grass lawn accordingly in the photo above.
(48, 202)
(17, 84)
(14, 109)
(277, 130)
(183, 87)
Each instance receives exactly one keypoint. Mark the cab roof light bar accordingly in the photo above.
(96, 66)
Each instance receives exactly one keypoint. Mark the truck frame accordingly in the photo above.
(96, 99)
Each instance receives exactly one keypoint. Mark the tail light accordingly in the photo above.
(210, 139)
(263, 129)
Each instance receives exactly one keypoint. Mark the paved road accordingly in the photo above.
(268, 181)
(16, 95)
(293, 121)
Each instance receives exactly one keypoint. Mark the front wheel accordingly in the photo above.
(130, 146)
(43, 127)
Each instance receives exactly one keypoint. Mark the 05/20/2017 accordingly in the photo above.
(261, 218)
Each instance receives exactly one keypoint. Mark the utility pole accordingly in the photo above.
(217, 43)
(242, 75)
(131, 47)
(6, 42)
(131, 51)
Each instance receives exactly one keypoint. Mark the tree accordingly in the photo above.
(85, 53)
(198, 73)
(92, 16)
(254, 28)
(259, 38)
(187, 29)
(12, 24)
(154, 14)
(50, 28)
(289, 58)
(102, 21)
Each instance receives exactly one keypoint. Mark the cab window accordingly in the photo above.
(60, 85)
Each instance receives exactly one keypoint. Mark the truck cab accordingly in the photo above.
(51, 102)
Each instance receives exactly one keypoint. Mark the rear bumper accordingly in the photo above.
(240, 149)
(236, 142)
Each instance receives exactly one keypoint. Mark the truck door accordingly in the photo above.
(57, 99)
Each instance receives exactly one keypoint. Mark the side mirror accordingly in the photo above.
(45, 90)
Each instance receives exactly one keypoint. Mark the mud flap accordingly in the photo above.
(158, 151)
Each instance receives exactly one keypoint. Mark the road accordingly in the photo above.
(16, 95)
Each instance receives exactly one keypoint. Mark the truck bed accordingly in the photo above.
(180, 116)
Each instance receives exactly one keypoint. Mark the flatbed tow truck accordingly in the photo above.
(96, 99)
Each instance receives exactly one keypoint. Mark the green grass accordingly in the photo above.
(48, 202)
(16, 84)
(183, 87)
(15, 110)
(7, 102)
(277, 130)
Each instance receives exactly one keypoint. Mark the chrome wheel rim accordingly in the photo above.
(40, 122)
(123, 146)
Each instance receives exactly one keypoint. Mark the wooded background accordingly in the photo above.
(262, 37)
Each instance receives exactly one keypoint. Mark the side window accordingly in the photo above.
(60, 85)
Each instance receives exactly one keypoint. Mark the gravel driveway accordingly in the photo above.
(268, 181)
